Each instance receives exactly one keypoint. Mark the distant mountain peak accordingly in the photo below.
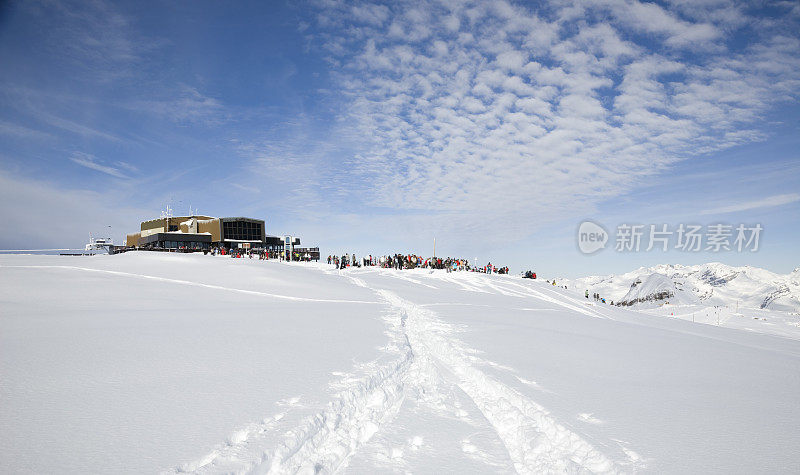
(713, 283)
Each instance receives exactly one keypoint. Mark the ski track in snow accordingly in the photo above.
(576, 304)
(328, 439)
(535, 441)
(232, 449)
(399, 275)
(514, 289)
(325, 442)
(464, 285)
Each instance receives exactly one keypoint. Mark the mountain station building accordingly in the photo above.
(202, 233)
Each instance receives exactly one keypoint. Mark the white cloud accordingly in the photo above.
(372, 14)
(48, 216)
(187, 105)
(769, 202)
(19, 131)
(649, 17)
(496, 116)
(511, 60)
(91, 162)
(94, 35)
(127, 166)
(53, 120)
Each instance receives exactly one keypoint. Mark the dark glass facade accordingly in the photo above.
(177, 242)
(185, 245)
(243, 229)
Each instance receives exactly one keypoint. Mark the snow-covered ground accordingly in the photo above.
(147, 362)
(750, 319)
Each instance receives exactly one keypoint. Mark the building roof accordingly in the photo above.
(182, 218)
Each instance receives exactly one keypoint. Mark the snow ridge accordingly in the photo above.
(561, 300)
(195, 284)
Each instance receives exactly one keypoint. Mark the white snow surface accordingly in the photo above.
(707, 285)
(156, 362)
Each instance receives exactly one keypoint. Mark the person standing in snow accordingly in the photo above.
(587, 294)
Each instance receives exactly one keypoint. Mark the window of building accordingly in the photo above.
(242, 230)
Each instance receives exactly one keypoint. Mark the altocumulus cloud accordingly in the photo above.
(495, 114)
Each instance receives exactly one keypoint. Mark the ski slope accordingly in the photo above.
(148, 362)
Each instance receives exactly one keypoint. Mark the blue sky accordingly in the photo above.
(496, 127)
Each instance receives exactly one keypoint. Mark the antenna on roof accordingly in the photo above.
(166, 212)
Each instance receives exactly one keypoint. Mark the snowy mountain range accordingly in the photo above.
(705, 284)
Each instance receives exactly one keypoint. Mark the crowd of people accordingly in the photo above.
(394, 261)
(412, 261)
(260, 254)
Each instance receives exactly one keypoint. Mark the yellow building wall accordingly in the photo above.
(161, 225)
(132, 240)
(153, 226)
(212, 226)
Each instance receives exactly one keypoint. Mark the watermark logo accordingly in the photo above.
(718, 237)
(591, 237)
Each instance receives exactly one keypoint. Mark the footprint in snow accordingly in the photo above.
(467, 447)
(635, 461)
(588, 417)
(473, 452)
(292, 401)
(416, 442)
(533, 384)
